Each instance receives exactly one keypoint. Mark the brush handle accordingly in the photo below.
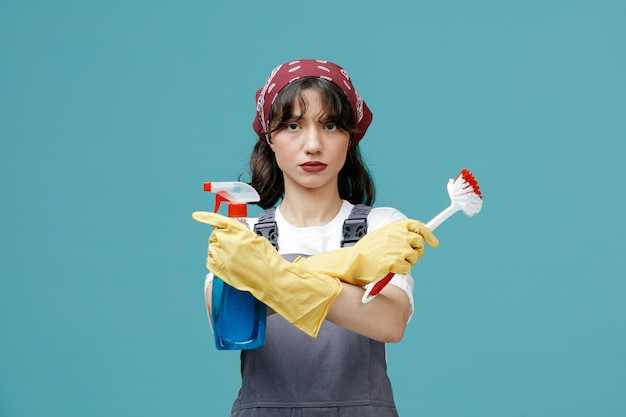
(373, 288)
(436, 221)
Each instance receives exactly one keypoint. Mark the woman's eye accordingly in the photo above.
(291, 126)
(330, 126)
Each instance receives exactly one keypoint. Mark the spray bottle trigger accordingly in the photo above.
(219, 198)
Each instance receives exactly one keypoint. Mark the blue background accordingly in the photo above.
(113, 114)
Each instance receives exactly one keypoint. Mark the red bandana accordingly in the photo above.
(291, 71)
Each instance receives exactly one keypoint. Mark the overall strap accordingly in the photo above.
(266, 227)
(355, 226)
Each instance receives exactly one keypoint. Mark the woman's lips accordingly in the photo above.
(313, 166)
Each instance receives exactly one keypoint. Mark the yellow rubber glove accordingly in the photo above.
(249, 262)
(395, 247)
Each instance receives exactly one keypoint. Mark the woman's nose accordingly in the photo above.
(313, 140)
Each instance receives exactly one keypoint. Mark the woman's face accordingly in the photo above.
(310, 150)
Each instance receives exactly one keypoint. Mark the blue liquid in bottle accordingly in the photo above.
(238, 318)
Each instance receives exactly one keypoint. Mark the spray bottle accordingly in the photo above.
(237, 317)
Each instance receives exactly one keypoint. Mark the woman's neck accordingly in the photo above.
(306, 208)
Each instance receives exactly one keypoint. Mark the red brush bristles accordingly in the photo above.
(469, 178)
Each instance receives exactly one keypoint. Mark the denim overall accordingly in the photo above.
(338, 374)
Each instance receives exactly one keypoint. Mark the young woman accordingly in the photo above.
(324, 352)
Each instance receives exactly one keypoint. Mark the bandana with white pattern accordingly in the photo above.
(291, 71)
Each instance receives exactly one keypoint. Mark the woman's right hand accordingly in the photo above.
(395, 247)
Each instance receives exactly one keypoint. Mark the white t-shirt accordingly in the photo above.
(318, 239)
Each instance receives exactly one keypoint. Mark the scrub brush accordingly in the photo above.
(464, 195)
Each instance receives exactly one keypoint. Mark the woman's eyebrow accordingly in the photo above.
(324, 118)
(293, 118)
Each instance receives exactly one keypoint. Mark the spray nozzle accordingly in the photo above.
(237, 194)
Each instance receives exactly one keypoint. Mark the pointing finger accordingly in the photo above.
(212, 219)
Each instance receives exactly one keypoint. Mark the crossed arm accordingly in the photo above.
(383, 319)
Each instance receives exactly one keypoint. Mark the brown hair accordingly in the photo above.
(355, 182)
